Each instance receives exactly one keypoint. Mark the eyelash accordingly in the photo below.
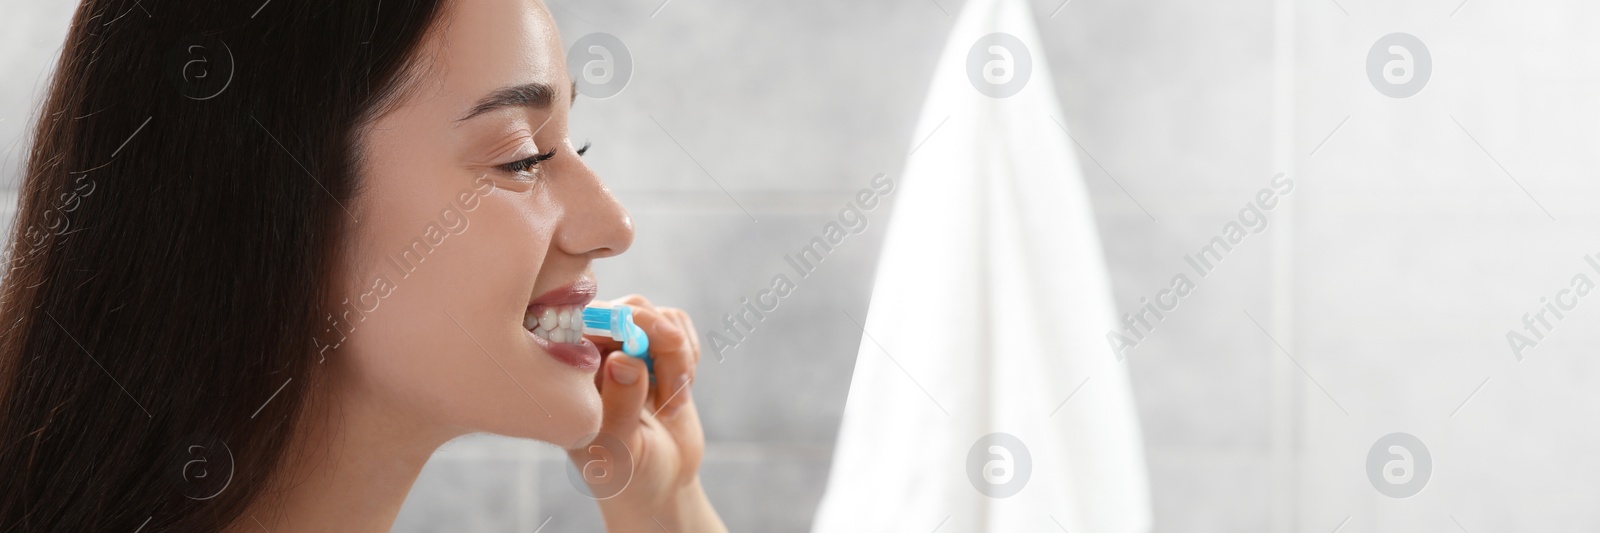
(524, 165)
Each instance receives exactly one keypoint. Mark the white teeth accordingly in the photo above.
(556, 324)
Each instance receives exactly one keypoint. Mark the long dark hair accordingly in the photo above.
(192, 170)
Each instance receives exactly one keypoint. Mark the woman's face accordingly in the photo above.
(475, 210)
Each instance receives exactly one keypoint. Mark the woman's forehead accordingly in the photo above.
(486, 45)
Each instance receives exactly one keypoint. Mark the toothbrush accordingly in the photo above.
(605, 320)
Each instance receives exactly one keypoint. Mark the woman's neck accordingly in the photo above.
(349, 470)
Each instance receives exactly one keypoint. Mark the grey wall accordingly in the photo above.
(1377, 301)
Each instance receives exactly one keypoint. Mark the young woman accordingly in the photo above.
(270, 255)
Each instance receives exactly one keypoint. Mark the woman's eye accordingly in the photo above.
(523, 166)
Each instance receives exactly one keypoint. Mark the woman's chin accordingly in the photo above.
(586, 422)
(574, 420)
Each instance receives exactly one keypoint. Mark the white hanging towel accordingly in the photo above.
(990, 310)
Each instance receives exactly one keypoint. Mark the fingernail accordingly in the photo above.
(624, 374)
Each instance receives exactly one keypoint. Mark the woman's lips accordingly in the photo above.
(580, 292)
(582, 355)
(568, 300)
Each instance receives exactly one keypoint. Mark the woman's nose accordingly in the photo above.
(594, 223)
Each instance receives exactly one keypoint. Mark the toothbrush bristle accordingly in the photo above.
(597, 318)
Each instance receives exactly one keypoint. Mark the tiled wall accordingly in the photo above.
(1428, 227)
(1376, 302)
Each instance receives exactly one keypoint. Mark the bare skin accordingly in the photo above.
(439, 348)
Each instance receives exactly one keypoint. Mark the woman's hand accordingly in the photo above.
(654, 482)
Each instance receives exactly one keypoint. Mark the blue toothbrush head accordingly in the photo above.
(617, 323)
(597, 318)
(634, 341)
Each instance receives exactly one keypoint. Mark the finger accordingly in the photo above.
(675, 370)
(622, 396)
(673, 356)
(681, 317)
(635, 300)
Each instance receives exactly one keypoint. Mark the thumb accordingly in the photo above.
(623, 395)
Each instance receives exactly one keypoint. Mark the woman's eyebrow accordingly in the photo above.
(536, 94)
